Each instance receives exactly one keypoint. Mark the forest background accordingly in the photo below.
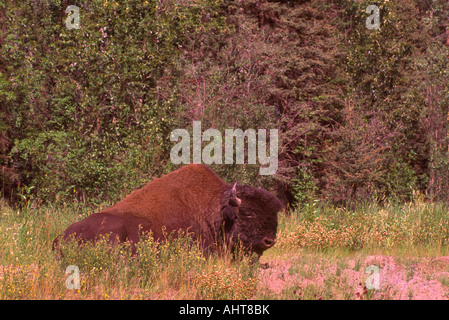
(363, 114)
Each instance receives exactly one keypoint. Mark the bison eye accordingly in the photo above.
(247, 213)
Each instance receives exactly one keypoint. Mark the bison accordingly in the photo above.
(194, 199)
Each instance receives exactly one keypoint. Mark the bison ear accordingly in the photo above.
(228, 214)
(233, 199)
(229, 209)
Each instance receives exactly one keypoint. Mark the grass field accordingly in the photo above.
(322, 252)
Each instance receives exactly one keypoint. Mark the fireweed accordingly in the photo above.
(177, 268)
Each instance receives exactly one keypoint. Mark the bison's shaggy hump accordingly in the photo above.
(192, 198)
(190, 194)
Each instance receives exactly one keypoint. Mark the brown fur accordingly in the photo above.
(192, 198)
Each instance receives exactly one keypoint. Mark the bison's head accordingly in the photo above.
(250, 216)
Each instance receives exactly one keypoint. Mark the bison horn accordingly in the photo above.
(233, 200)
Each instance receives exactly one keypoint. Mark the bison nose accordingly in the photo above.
(268, 242)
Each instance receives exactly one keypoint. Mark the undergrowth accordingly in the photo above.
(178, 269)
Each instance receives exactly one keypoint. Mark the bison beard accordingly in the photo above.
(194, 199)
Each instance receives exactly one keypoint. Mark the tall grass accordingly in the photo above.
(323, 251)
(371, 227)
(177, 269)
(172, 269)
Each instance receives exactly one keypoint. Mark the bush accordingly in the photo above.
(82, 110)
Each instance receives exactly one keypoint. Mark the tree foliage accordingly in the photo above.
(362, 113)
(81, 109)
